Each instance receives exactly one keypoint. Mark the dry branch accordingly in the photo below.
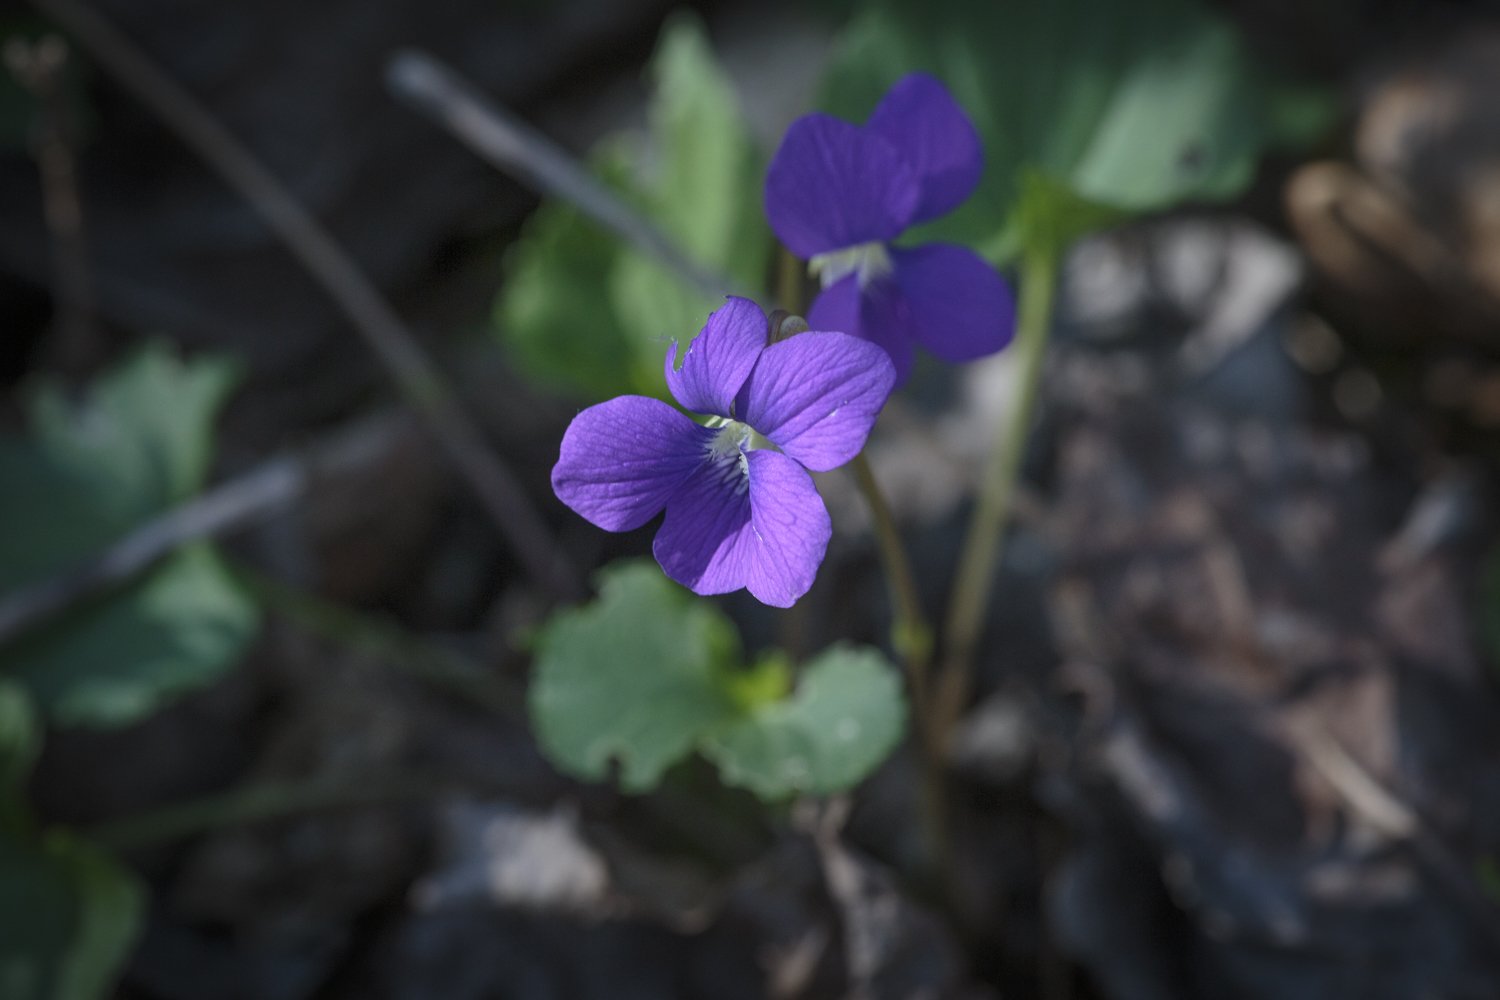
(236, 503)
(517, 149)
(419, 381)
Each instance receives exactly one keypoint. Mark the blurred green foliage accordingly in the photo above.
(1089, 110)
(68, 913)
(19, 742)
(138, 443)
(646, 674)
(1134, 106)
(68, 917)
(1487, 871)
(593, 318)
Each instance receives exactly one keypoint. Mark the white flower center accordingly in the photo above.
(733, 437)
(728, 447)
(870, 261)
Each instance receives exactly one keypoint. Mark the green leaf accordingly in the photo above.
(18, 738)
(768, 681)
(553, 310)
(146, 428)
(634, 677)
(845, 717)
(646, 674)
(138, 443)
(585, 313)
(1134, 106)
(121, 658)
(68, 918)
(707, 192)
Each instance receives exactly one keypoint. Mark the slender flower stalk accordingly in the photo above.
(911, 636)
(984, 545)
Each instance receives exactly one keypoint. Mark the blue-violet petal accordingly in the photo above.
(960, 308)
(621, 461)
(875, 313)
(718, 360)
(816, 396)
(922, 120)
(833, 185)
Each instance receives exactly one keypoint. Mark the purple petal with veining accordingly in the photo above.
(833, 185)
(925, 124)
(706, 539)
(760, 525)
(622, 460)
(817, 395)
(791, 529)
(718, 360)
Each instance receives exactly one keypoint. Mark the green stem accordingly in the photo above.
(259, 803)
(385, 641)
(984, 544)
(911, 636)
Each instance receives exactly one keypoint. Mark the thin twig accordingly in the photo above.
(416, 377)
(1076, 620)
(512, 146)
(42, 68)
(235, 503)
(1363, 794)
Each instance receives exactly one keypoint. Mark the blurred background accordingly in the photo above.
(291, 341)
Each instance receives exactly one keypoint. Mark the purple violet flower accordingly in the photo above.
(742, 510)
(838, 193)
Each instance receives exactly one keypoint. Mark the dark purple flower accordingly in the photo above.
(742, 510)
(837, 194)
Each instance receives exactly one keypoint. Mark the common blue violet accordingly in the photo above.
(742, 510)
(838, 193)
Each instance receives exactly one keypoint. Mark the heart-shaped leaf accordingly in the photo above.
(136, 444)
(647, 674)
(846, 715)
(634, 678)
